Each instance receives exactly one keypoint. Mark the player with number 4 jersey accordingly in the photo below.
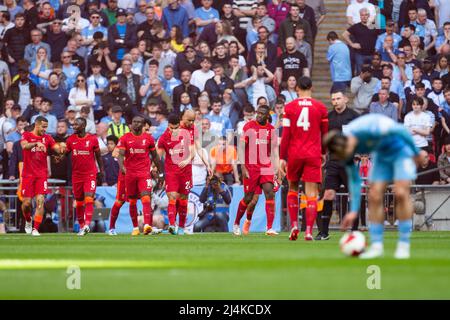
(305, 121)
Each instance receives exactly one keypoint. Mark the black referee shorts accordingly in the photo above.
(335, 175)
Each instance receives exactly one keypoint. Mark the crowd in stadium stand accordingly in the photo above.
(109, 60)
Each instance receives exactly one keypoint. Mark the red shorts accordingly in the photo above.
(306, 170)
(121, 193)
(180, 183)
(79, 188)
(255, 181)
(32, 186)
(135, 186)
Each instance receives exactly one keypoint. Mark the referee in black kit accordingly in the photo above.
(335, 174)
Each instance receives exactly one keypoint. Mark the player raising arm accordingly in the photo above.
(259, 154)
(305, 121)
(85, 153)
(35, 145)
(392, 150)
(135, 149)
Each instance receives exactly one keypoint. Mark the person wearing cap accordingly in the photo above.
(396, 38)
(57, 38)
(22, 90)
(116, 127)
(115, 96)
(121, 35)
(94, 6)
(362, 86)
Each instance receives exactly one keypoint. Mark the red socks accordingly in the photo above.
(182, 209)
(270, 213)
(114, 214)
(311, 214)
(240, 212)
(26, 213)
(172, 211)
(250, 212)
(292, 204)
(147, 210)
(133, 212)
(37, 221)
(89, 209)
(79, 208)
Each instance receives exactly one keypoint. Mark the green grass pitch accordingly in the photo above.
(216, 266)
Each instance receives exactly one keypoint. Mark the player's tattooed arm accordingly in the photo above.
(120, 158)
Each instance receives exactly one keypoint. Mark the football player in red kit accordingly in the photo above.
(179, 143)
(35, 145)
(260, 150)
(135, 148)
(305, 121)
(85, 153)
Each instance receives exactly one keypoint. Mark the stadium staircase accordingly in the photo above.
(335, 20)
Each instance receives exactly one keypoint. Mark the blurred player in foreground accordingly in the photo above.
(35, 145)
(305, 121)
(392, 150)
(259, 152)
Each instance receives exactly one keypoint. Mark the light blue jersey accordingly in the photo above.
(391, 148)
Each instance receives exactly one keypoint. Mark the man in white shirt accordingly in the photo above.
(5, 23)
(199, 77)
(353, 16)
(418, 123)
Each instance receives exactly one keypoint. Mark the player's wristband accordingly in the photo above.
(161, 175)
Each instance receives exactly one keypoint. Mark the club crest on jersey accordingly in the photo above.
(143, 142)
(87, 144)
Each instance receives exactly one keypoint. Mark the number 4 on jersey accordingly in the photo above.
(303, 119)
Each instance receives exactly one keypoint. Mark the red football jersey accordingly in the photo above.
(258, 144)
(176, 148)
(35, 159)
(192, 131)
(137, 153)
(83, 156)
(305, 121)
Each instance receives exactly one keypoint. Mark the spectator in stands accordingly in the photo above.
(121, 36)
(199, 77)
(115, 96)
(392, 97)
(100, 83)
(363, 39)
(110, 163)
(101, 131)
(224, 161)
(338, 55)
(70, 71)
(278, 10)
(404, 9)
(444, 161)
(290, 91)
(60, 167)
(216, 198)
(410, 85)
(40, 68)
(419, 124)
(163, 123)
(5, 23)
(442, 65)
(244, 10)
(130, 83)
(263, 51)
(207, 137)
(57, 38)
(185, 86)
(140, 15)
(175, 15)
(288, 26)
(390, 31)
(46, 106)
(160, 95)
(22, 90)
(31, 49)
(143, 29)
(429, 27)
(116, 127)
(265, 20)
(220, 124)
(16, 135)
(205, 15)
(437, 92)
(354, 9)
(384, 106)
(362, 87)
(307, 13)
(57, 95)
(216, 85)
(443, 40)
(230, 107)
(187, 60)
(32, 109)
(429, 178)
(95, 26)
(15, 40)
(303, 46)
(82, 95)
(291, 63)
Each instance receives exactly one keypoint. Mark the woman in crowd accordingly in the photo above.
(81, 95)
(290, 92)
(40, 68)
